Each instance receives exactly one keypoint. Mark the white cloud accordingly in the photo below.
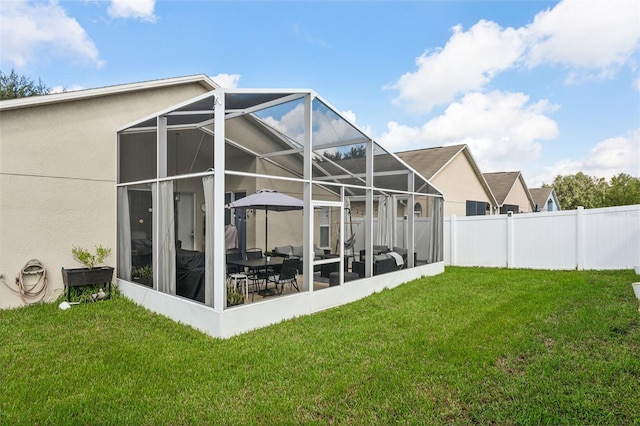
(228, 81)
(133, 9)
(35, 30)
(349, 115)
(615, 155)
(399, 137)
(610, 157)
(469, 60)
(586, 34)
(327, 126)
(61, 89)
(502, 129)
(308, 38)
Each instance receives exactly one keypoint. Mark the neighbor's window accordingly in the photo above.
(417, 210)
(509, 208)
(477, 208)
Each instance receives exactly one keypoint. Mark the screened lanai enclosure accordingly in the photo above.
(188, 248)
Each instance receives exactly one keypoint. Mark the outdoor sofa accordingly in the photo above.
(384, 260)
(298, 251)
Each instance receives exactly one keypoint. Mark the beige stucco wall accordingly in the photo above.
(285, 228)
(58, 176)
(459, 183)
(518, 196)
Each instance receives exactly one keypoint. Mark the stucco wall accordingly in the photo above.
(518, 196)
(459, 183)
(57, 179)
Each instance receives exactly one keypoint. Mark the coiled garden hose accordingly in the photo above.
(31, 292)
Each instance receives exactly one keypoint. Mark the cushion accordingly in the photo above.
(298, 251)
(400, 250)
(379, 257)
(397, 257)
(284, 250)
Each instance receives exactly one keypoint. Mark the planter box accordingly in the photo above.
(79, 277)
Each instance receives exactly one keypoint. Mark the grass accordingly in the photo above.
(468, 346)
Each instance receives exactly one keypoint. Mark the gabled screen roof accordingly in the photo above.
(275, 121)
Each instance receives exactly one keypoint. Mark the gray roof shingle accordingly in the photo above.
(430, 161)
(501, 183)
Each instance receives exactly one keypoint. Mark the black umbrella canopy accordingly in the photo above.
(267, 199)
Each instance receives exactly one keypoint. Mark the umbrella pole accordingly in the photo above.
(266, 228)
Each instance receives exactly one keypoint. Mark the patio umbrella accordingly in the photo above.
(267, 200)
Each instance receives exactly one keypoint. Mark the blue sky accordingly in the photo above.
(544, 87)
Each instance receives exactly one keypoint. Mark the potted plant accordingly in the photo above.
(92, 273)
(144, 275)
(234, 297)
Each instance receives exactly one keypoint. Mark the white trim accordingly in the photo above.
(53, 98)
(244, 318)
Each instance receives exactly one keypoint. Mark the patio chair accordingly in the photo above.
(233, 254)
(235, 273)
(257, 275)
(254, 253)
(286, 275)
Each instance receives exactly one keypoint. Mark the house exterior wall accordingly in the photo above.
(550, 205)
(459, 183)
(518, 196)
(58, 176)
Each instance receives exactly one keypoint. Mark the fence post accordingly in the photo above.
(452, 241)
(580, 238)
(509, 239)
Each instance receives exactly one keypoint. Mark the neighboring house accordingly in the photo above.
(128, 166)
(511, 192)
(545, 199)
(453, 170)
(58, 171)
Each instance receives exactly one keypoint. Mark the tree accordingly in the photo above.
(356, 151)
(579, 190)
(591, 192)
(623, 190)
(14, 86)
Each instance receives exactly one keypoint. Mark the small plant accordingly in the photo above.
(89, 294)
(88, 259)
(144, 275)
(145, 272)
(234, 297)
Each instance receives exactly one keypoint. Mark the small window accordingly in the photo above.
(477, 208)
(506, 208)
(417, 210)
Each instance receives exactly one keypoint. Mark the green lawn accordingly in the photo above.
(468, 346)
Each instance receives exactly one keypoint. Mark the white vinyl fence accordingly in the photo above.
(607, 238)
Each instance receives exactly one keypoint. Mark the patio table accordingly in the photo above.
(260, 264)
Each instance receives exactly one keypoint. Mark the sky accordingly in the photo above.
(543, 87)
